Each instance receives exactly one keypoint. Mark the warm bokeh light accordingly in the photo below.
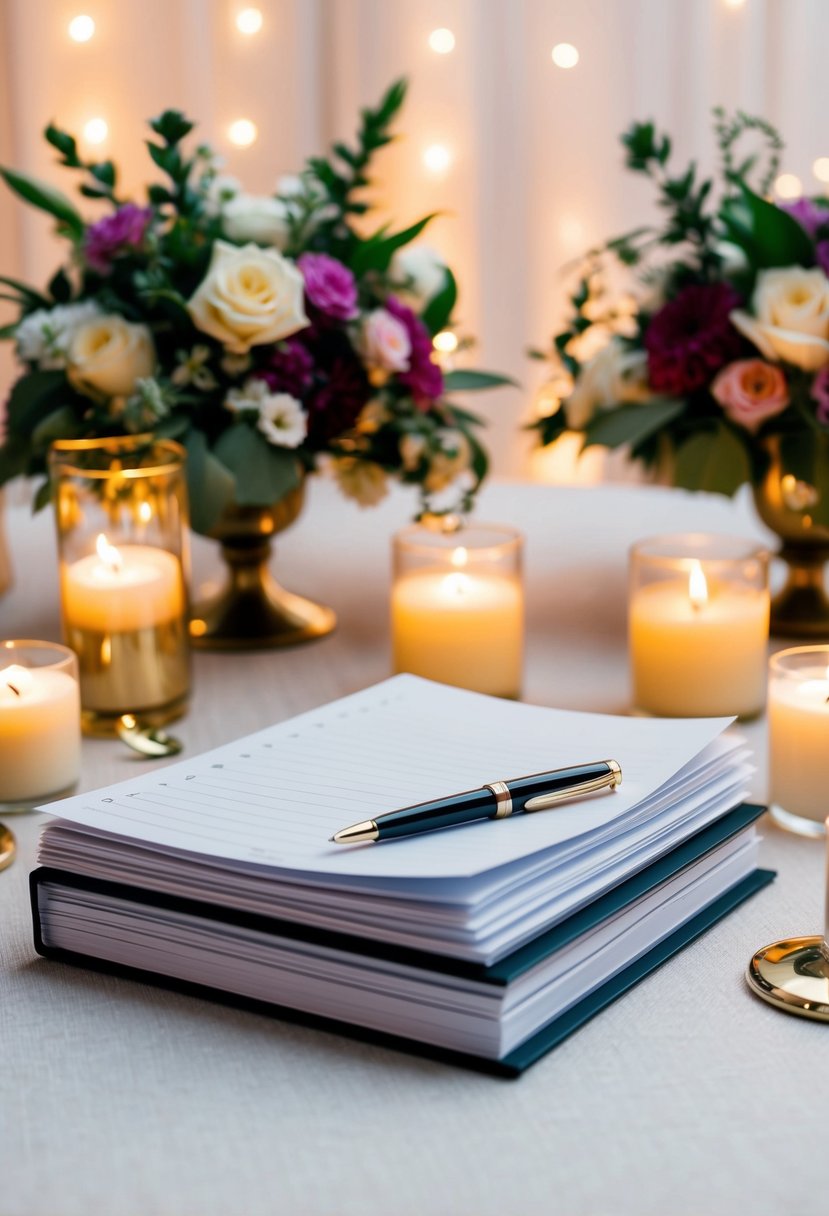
(788, 185)
(242, 132)
(249, 21)
(446, 342)
(442, 41)
(437, 158)
(734, 3)
(96, 130)
(565, 55)
(820, 168)
(81, 28)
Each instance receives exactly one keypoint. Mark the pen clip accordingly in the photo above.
(612, 778)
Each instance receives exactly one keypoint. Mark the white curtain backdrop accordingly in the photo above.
(535, 174)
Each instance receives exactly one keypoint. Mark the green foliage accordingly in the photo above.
(768, 235)
(45, 198)
(467, 380)
(438, 312)
(714, 460)
(631, 423)
(263, 473)
(211, 487)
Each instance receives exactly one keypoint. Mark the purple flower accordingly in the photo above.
(290, 369)
(424, 377)
(820, 394)
(691, 338)
(340, 389)
(329, 286)
(113, 234)
(809, 214)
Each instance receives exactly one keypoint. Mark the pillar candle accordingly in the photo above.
(40, 732)
(118, 590)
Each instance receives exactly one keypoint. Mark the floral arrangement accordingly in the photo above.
(267, 334)
(720, 356)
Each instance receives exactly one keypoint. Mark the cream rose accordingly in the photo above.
(791, 317)
(108, 355)
(249, 297)
(613, 376)
(254, 217)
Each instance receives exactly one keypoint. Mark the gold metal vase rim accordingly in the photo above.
(116, 444)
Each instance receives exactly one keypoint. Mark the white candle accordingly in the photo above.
(119, 590)
(461, 627)
(698, 649)
(799, 745)
(40, 732)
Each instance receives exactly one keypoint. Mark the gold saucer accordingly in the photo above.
(7, 847)
(792, 975)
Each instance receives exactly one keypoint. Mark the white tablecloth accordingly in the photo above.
(686, 1096)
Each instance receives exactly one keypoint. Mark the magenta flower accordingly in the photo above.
(114, 234)
(290, 369)
(820, 394)
(329, 286)
(691, 338)
(423, 377)
(822, 255)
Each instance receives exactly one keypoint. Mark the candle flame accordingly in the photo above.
(697, 586)
(108, 554)
(456, 584)
(17, 679)
(145, 512)
(460, 557)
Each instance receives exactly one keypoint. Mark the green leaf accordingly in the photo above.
(62, 423)
(631, 423)
(14, 457)
(264, 473)
(377, 252)
(438, 312)
(172, 126)
(210, 485)
(43, 496)
(60, 289)
(46, 197)
(472, 381)
(769, 235)
(64, 143)
(26, 293)
(712, 460)
(33, 397)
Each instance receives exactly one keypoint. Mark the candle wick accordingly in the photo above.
(17, 693)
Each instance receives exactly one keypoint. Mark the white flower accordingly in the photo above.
(192, 370)
(791, 316)
(362, 480)
(385, 343)
(281, 418)
(613, 376)
(249, 297)
(221, 188)
(108, 355)
(256, 217)
(44, 336)
(420, 273)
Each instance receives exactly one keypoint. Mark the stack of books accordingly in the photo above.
(486, 944)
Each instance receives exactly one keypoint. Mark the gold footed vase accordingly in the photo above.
(252, 611)
(786, 505)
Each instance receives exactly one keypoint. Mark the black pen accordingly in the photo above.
(498, 800)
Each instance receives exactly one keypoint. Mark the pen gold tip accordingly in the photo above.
(357, 833)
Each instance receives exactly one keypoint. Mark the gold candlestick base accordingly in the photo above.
(104, 723)
(792, 975)
(8, 847)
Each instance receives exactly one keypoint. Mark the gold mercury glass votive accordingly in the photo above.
(698, 626)
(457, 607)
(40, 722)
(121, 513)
(799, 738)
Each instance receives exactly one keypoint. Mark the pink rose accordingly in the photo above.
(820, 394)
(750, 391)
(385, 342)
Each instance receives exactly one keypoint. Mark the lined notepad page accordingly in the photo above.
(274, 798)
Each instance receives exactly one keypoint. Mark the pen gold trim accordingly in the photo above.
(543, 802)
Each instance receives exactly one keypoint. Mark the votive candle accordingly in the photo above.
(798, 718)
(40, 721)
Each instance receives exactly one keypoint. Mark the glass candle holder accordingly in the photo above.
(121, 512)
(40, 722)
(698, 626)
(799, 738)
(457, 607)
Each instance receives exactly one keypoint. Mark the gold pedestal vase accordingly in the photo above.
(252, 611)
(786, 505)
